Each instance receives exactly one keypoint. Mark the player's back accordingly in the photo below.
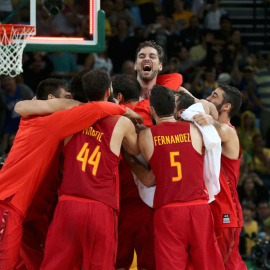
(90, 165)
(177, 166)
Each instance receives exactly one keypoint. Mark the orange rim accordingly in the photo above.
(18, 27)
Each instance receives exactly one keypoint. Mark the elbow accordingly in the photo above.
(19, 108)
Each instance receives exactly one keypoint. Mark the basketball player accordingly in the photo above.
(29, 159)
(183, 221)
(83, 230)
(226, 208)
(135, 228)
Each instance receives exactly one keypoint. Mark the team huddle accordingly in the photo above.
(86, 183)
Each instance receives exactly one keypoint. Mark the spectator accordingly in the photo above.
(262, 79)
(196, 5)
(180, 15)
(211, 15)
(68, 22)
(186, 63)
(260, 159)
(204, 82)
(249, 92)
(198, 52)
(64, 65)
(262, 214)
(191, 35)
(120, 11)
(252, 189)
(160, 34)
(172, 66)
(247, 130)
(99, 60)
(117, 47)
(36, 69)
(11, 94)
(128, 68)
(44, 26)
(133, 42)
(107, 6)
(147, 11)
(250, 225)
(222, 36)
(235, 48)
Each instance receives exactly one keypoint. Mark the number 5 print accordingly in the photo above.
(177, 165)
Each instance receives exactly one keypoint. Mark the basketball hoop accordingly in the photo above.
(13, 38)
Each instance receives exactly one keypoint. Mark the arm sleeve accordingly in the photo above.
(172, 81)
(65, 123)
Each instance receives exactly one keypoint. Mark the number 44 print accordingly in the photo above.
(92, 160)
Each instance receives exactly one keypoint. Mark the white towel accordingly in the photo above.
(212, 143)
(146, 194)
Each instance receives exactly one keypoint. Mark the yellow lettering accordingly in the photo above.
(181, 137)
(158, 140)
(167, 140)
(177, 140)
(188, 137)
(155, 140)
(172, 140)
(100, 135)
(162, 140)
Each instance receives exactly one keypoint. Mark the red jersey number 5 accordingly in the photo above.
(177, 165)
(93, 159)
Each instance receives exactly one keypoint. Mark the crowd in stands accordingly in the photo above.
(199, 43)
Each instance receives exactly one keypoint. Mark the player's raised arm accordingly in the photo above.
(133, 115)
(224, 131)
(44, 107)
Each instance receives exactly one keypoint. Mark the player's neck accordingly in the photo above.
(224, 118)
(146, 87)
(165, 119)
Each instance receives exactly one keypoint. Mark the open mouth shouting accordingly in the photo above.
(146, 67)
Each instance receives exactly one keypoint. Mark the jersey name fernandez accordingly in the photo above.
(179, 138)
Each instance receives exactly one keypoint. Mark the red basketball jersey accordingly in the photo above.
(177, 166)
(226, 208)
(90, 166)
(128, 188)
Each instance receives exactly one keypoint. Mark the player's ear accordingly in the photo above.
(108, 93)
(50, 96)
(160, 67)
(179, 113)
(120, 98)
(227, 106)
(135, 66)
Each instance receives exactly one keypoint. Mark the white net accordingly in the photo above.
(13, 39)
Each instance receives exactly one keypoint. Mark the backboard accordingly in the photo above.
(79, 27)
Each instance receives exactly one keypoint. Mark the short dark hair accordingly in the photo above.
(127, 85)
(184, 100)
(152, 44)
(95, 84)
(76, 86)
(50, 86)
(249, 205)
(233, 96)
(162, 100)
